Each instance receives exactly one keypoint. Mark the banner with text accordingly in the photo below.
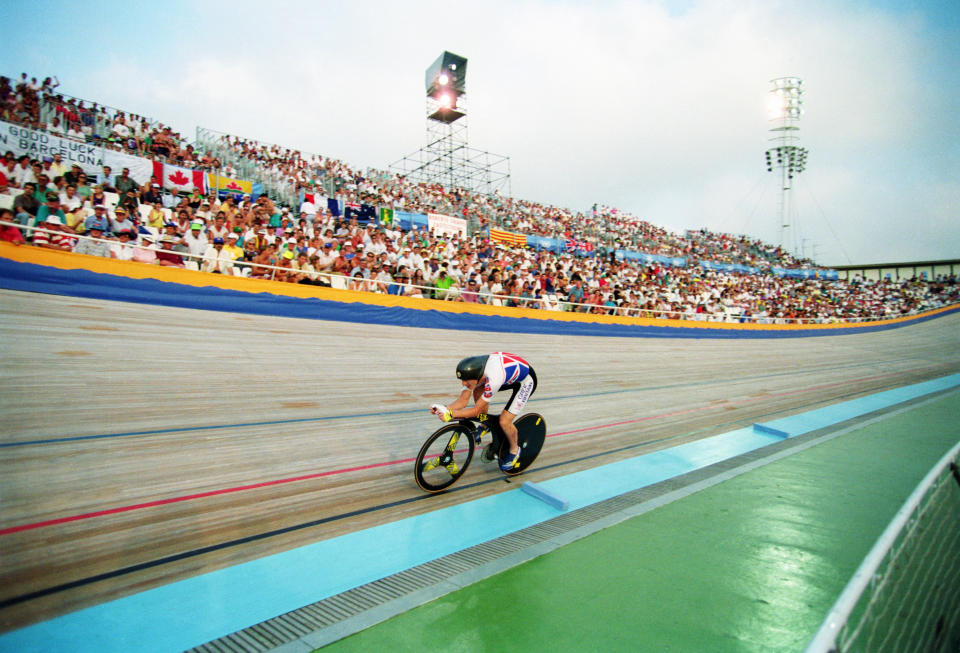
(91, 158)
(447, 225)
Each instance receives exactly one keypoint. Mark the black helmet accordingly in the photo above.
(471, 368)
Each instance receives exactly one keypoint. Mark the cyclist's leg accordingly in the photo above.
(514, 406)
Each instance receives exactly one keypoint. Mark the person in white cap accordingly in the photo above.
(56, 240)
(145, 252)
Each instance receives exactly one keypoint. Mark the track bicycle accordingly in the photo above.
(446, 454)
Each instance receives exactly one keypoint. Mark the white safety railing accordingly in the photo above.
(548, 303)
(905, 596)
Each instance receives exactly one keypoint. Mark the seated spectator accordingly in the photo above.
(97, 196)
(166, 256)
(130, 202)
(105, 180)
(9, 233)
(145, 253)
(446, 286)
(123, 249)
(26, 205)
(156, 218)
(83, 188)
(121, 221)
(57, 167)
(94, 245)
(357, 282)
(150, 194)
(69, 200)
(264, 261)
(51, 207)
(215, 259)
(231, 247)
(54, 236)
(470, 294)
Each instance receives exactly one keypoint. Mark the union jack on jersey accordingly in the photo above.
(515, 368)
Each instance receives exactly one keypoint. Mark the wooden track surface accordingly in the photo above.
(109, 406)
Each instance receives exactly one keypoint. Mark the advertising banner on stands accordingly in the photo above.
(447, 225)
(627, 255)
(408, 221)
(90, 157)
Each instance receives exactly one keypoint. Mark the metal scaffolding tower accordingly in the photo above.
(447, 159)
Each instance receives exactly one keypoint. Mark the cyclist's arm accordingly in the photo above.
(459, 408)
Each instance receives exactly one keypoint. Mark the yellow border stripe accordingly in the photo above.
(134, 270)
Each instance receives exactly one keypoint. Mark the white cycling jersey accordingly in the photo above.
(505, 370)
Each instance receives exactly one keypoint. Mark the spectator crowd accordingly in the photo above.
(52, 205)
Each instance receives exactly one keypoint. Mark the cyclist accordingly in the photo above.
(481, 377)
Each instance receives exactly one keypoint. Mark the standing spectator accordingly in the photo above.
(196, 240)
(57, 167)
(124, 182)
(105, 179)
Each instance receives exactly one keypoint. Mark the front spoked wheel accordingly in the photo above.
(444, 457)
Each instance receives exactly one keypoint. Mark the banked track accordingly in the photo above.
(143, 444)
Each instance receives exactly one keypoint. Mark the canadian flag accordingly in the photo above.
(181, 180)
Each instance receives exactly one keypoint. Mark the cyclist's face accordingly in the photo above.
(469, 384)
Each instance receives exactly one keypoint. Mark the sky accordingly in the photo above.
(658, 108)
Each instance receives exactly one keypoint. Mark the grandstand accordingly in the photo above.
(493, 250)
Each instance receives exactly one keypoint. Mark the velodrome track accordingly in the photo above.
(143, 444)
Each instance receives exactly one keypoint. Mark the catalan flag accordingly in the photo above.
(500, 236)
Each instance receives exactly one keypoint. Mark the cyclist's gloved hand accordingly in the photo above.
(442, 412)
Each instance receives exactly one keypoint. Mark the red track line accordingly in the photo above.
(283, 481)
(190, 497)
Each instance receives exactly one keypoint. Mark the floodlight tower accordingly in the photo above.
(446, 81)
(447, 159)
(784, 108)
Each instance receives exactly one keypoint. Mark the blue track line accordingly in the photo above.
(300, 420)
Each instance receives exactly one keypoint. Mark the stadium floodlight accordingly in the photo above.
(784, 109)
(447, 74)
(447, 158)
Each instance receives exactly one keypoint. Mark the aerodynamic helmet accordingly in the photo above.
(471, 368)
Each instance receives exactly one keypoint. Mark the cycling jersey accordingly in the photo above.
(503, 369)
(509, 372)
